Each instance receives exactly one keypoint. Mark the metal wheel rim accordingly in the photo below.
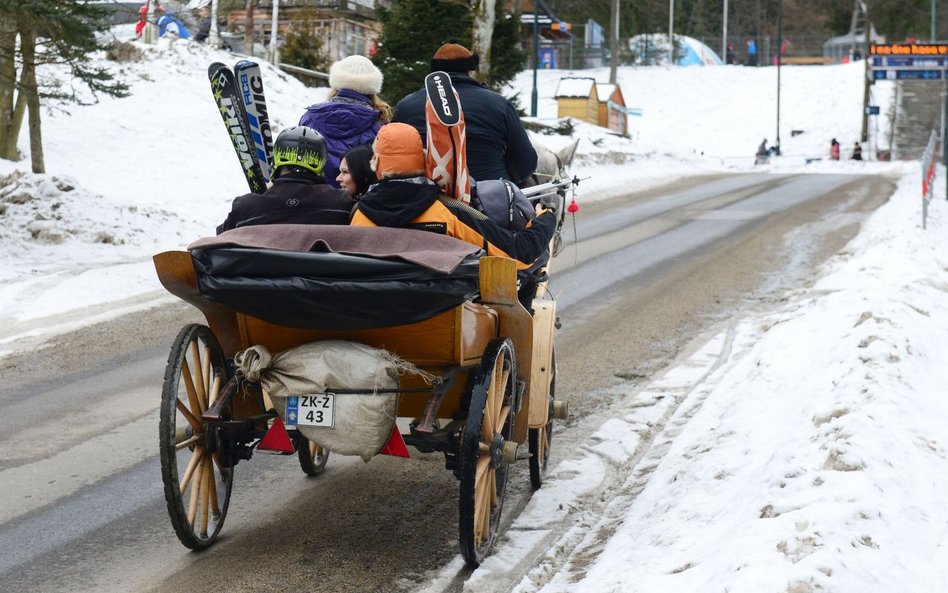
(197, 487)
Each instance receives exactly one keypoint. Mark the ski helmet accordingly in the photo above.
(300, 146)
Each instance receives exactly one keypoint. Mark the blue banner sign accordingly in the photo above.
(907, 74)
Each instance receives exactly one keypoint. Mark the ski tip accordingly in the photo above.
(215, 67)
(245, 64)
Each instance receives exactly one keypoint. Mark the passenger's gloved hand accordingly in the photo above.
(550, 202)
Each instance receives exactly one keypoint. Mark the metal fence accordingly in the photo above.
(574, 55)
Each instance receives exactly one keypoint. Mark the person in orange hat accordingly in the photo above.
(497, 145)
(405, 198)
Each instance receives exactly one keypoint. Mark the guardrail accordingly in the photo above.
(304, 71)
(928, 174)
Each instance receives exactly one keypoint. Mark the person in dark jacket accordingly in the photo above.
(497, 145)
(405, 198)
(857, 152)
(353, 113)
(299, 194)
(355, 171)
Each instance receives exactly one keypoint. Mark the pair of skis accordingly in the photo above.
(240, 100)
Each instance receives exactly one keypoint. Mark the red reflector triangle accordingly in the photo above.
(395, 445)
(277, 439)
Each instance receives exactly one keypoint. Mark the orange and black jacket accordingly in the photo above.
(417, 203)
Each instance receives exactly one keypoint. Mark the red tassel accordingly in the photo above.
(573, 207)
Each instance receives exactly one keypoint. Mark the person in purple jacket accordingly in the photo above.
(353, 113)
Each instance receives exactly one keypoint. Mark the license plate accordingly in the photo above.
(314, 409)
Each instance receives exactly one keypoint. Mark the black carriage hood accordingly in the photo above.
(436, 252)
(353, 278)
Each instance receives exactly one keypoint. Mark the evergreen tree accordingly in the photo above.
(303, 47)
(412, 30)
(35, 33)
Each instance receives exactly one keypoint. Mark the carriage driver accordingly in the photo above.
(299, 193)
(497, 145)
(405, 198)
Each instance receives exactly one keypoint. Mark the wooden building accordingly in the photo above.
(613, 113)
(347, 27)
(578, 98)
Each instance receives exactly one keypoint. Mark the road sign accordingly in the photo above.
(907, 74)
(909, 61)
(872, 110)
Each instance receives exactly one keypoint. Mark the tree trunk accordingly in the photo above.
(613, 41)
(30, 88)
(9, 132)
(249, 29)
(481, 32)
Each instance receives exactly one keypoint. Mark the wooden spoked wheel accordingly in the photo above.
(483, 471)
(540, 440)
(197, 486)
(313, 458)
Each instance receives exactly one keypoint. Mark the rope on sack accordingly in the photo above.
(252, 362)
(403, 367)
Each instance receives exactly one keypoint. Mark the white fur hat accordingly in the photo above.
(356, 73)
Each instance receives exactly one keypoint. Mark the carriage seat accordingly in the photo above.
(336, 277)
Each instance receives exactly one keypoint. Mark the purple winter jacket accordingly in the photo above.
(345, 121)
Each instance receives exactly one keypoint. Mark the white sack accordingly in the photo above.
(363, 422)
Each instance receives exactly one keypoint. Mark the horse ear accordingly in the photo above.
(567, 153)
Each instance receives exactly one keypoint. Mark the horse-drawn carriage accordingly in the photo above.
(485, 383)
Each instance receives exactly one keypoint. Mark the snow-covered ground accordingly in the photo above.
(804, 448)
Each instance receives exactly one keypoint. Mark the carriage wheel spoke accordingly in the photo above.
(504, 413)
(206, 372)
(502, 391)
(198, 382)
(194, 422)
(212, 486)
(215, 390)
(193, 398)
(188, 442)
(193, 505)
(488, 507)
(205, 494)
(487, 428)
(196, 458)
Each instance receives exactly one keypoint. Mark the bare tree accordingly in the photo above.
(484, 13)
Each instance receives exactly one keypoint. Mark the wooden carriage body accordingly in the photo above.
(455, 339)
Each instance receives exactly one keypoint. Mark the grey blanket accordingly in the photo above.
(435, 252)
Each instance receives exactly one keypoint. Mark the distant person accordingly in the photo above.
(857, 152)
(353, 113)
(355, 171)
(751, 52)
(729, 54)
(762, 150)
(299, 194)
(497, 145)
(762, 157)
(834, 150)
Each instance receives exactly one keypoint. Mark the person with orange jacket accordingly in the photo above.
(405, 198)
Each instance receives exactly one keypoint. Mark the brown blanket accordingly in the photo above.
(436, 252)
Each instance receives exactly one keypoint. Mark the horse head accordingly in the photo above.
(554, 165)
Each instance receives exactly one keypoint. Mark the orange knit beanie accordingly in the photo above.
(398, 150)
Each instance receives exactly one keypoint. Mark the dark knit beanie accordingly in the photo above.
(452, 57)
